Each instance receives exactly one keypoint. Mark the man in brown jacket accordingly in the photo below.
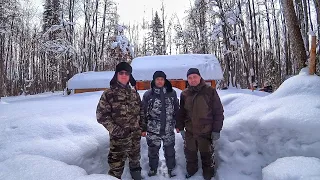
(200, 121)
(120, 111)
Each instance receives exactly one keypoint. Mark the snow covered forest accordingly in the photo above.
(56, 60)
(257, 42)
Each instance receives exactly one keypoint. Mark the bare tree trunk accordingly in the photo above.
(70, 36)
(33, 73)
(95, 57)
(309, 12)
(261, 72)
(299, 9)
(269, 28)
(103, 28)
(277, 44)
(2, 55)
(287, 53)
(164, 31)
(87, 48)
(317, 8)
(246, 54)
(253, 41)
(202, 26)
(226, 54)
(306, 22)
(84, 46)
(256, 48)
(298, 48)
(2, 51)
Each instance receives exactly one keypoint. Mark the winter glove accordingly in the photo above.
(215, 136)
(183, 134)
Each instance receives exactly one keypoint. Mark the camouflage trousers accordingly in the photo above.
(154, 144)
(120, 150)
(205, 146)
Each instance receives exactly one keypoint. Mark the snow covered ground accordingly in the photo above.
(60, 128)
(51, 136)
(39, 167)
(302, 168)
(258, 131)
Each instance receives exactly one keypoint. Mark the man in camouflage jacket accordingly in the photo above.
(120, 112)
(160, 107)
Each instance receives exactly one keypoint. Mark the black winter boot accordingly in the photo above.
(171, 173)
(136, 175)
(189, 175)
(152, 172)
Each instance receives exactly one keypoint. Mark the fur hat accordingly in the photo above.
(124, 66)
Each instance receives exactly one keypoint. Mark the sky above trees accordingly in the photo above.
(133, 11)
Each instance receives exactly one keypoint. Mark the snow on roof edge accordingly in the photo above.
(90, 79)
(176, 66)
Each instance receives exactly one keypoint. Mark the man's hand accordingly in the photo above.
(144, 134)
(183, 134)
(215, 136)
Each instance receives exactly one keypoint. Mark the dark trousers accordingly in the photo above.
(204, 145)
(154, 144)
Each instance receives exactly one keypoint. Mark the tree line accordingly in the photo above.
(258, 42)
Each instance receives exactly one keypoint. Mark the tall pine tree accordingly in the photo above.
(157, 35)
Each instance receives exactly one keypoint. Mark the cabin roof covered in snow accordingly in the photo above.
(176, 66)
(91, 79)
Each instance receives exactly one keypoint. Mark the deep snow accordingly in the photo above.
(59, 127)
(285, 123)
(32, 167)
(62, 131)
(293, 168)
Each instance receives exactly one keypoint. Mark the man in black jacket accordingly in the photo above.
(160, 107)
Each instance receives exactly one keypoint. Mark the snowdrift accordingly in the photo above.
(289, 168)
(31, 167)
(285, 123)
(59, 128)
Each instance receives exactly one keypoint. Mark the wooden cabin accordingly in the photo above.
(176, 67)
(178, 83)
(90, 81)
